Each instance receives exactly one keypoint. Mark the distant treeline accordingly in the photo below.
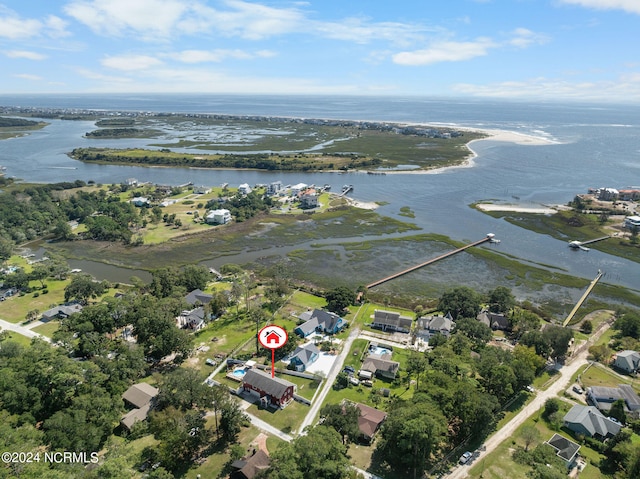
(116, 133)
(262, 161)
(116, 122)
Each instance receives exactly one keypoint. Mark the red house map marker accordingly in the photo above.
(272, 337)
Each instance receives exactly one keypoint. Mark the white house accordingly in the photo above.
(274, 188)
(140, 201)
(244, 189)
(632, 221)
(218, 217)
(296, 189)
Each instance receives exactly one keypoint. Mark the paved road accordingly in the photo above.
(328, 383)
(16, 328)
(507, 431)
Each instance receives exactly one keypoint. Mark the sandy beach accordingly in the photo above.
(545, 210)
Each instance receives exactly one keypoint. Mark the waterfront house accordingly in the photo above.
(629, 195)
(628, 361)
(218, 217)
(197, 296)
(391, 321)
(496, 321)
(303, 357)
(193, 320)
(320, 321)
(274, 188)
(274, 392)
(140, 201)
(308, 202)
(201, 190)
(631, 222)
(244, 189)
(427, 326)
(588, 421)
(607, 194)
(141, 397)
(296, 189)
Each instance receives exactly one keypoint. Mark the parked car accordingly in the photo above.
(530, 389)
(210, 362)
(465, 457)
(349, 369)
(354, 381)
(577, 389)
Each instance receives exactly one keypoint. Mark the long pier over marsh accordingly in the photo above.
(487, 238)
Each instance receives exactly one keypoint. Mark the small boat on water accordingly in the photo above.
(327, 187)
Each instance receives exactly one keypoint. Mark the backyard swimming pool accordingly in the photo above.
(379, 350)
(239, 373)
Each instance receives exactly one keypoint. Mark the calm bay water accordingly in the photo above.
(598, 145)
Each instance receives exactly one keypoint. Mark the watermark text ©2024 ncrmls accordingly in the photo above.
(55, 457)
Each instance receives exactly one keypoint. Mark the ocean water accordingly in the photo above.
(594, 146)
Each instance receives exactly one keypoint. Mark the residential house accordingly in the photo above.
(193, 320)
(131, 182)
(303, 357)
(587, 420)
(140, 201)
(381, 366)
(607, 194)
(604, 397)
(249, 467)
(244, 189)
(273, 392)
(142, 397)
(496, 321)
(274, 188)
(632, 222)
(201, 190)
(61, 312)
(427, 326)
(566, 449)
(308, 202)
(296, 189)
(164, 189)
(628, 361)
(319, 320)
(629, 195)
(369, 421)
(197, 296)
(391, 321)
(218, 217)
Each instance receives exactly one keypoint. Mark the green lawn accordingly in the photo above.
(47, 329)
(288, 420)
(18, 338)
(15, 308)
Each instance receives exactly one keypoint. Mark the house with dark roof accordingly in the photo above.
(249, 467)
(391, 321)
(381, 366)
(496, 321)
(193, 320)
(587, 420)
(566, 449)
(198, 297)
(141, 397)
(604, 397)
(321, 321)
(303, 357)
(369, 421)
(427, 326)
(274, 392)
(627, 361)
(61, 312)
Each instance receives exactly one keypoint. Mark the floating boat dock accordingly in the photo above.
(581, 244)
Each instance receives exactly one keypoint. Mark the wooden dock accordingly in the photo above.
(489, 237)
(582, 299)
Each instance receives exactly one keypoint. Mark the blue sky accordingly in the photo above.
(520, 49)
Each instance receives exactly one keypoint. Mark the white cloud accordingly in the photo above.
(523, 37)
(217, 55)
(130, 62)
(25, 54)
(147, 18)
(625, 88)
(631, 6)
(362, 31)
(27, 76)
(15, 27)
(445, 51)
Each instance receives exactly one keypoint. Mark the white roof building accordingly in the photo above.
(218, 217)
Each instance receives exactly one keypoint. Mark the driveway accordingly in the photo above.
(16, 328)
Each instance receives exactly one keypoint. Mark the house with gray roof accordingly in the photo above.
(496, 321)
(391, 321)
(427, 326)
(627, 361)
(142, 397)
(321, 321)
(587, 420)
(566, 449)
(273, 392)
(61, 312)
(198, 297)
(381, 366)
(193, 320)
(303, 357)
(604, 397)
